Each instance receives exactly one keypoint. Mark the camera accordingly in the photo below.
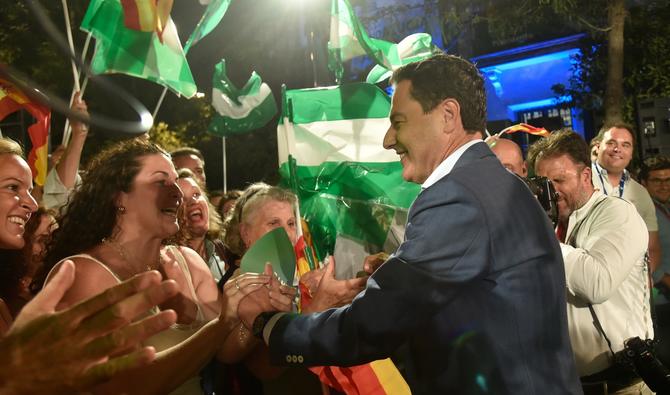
(545, 193)
(639, 355)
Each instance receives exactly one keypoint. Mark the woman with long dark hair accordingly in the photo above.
(113, 229)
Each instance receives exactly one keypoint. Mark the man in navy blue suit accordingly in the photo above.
(476, 290)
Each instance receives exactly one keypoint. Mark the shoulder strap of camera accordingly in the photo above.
(600, 329)
(571, 241)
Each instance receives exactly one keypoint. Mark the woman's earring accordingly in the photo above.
(121, 210)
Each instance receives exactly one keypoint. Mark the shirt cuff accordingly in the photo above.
(267, 330)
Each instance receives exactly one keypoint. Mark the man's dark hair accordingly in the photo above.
(183, 151)
(658, 162)
(560, 142)
(448, 77)
(619, 125)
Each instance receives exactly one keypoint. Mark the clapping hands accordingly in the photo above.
(49, 351)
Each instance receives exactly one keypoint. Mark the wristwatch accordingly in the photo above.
(260, 322)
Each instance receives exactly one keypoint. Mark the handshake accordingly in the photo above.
(325, 290)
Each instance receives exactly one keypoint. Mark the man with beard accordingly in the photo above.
(606, 273)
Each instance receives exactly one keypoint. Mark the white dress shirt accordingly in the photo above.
(447, 164)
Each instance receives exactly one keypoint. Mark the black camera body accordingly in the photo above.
(638, 355)
(545, 193)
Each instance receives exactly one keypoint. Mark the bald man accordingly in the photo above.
(509, 154)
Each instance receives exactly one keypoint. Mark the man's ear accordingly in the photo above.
(586, 174)
(451, 111)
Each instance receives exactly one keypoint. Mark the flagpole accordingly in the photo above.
(160, 102)
(75, 71)
(68, 30)
(225, 173)
(76, 87)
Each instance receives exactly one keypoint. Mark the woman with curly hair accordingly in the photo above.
(113, 229)
(16, 207)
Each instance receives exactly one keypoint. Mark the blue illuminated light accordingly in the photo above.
(550, 102)
(571, 41)
(517, 64)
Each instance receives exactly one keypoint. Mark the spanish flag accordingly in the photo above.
(379, 377)
(12, 100)
(146, 15)
(524, 127)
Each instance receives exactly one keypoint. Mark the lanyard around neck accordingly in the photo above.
(622, 181)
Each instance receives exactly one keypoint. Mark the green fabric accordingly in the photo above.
(413, 48)
(348, 39)
(239, 110)
(214, 12)
(355, 199)
(351, 101)
(135, 53)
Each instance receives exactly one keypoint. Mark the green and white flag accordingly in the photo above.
(240, 110)
(331, 154)
(214, 12)
(135, 53)
(348, 39)
(413, 48)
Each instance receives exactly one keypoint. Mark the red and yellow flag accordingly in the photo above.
(12, 100)
(524, 127)
(146, 15)
(379, 377)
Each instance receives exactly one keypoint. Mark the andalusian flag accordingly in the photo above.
(214, 12)
(331, 155)
(146, 15)
(12, 100)
(348, 39)
(413, 48)
(136, 53)
(240, 110)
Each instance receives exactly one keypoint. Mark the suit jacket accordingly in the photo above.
(477, 291)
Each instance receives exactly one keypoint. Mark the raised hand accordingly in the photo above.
(67, 351)
(312, 278)
(79, 105)
(273, 297)
(237, 289)
(332, 292)
(372, 262)
(281, 295)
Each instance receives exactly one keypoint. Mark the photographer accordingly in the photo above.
(606, 273)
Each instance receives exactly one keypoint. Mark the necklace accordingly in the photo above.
(118, 248)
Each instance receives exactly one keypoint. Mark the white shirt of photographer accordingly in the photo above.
(606, 268)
